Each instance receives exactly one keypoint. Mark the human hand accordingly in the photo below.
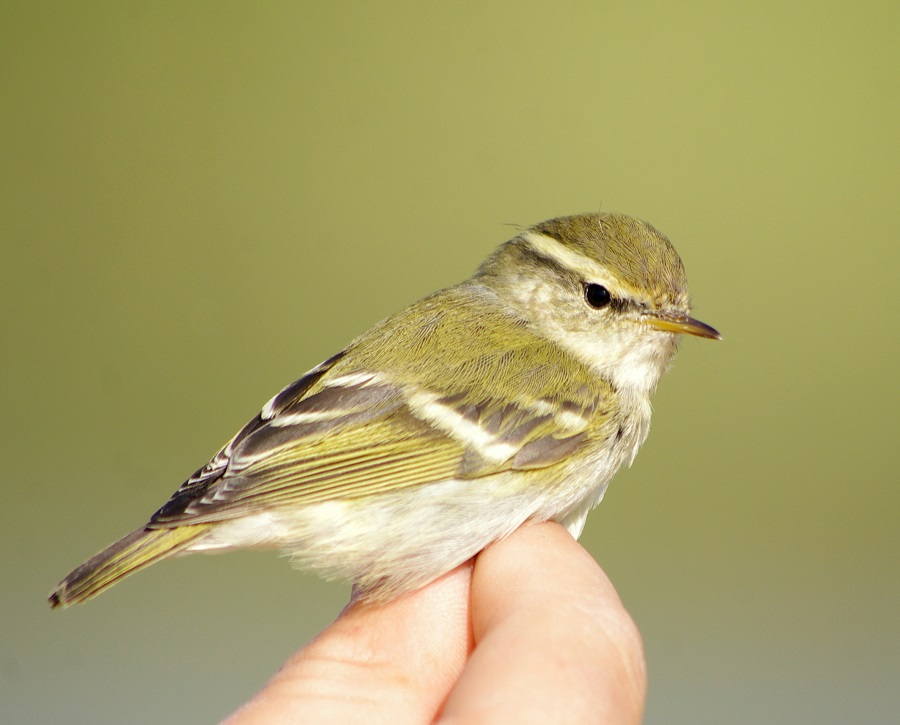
(532, 631)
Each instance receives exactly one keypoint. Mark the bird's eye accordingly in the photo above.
(597, 296)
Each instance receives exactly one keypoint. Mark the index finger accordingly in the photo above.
(553, 642)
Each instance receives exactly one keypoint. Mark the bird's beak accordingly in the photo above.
(681, 323)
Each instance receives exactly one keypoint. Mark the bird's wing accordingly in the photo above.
(337, 434)
(452, 387)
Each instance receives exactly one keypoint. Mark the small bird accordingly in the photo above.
(514, 396)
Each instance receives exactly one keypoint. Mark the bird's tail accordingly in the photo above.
(129, 554)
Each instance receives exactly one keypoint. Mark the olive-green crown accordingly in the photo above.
(635, 253)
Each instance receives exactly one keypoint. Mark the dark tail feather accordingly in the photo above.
(129, 554)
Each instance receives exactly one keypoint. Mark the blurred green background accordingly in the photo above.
(200, 201)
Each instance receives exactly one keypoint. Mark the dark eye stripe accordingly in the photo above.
(542, 260)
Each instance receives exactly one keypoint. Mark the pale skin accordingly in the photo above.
(532, 631)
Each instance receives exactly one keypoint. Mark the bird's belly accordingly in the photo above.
(394, 542)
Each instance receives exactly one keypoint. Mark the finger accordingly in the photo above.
(391, 663)
(553, 642)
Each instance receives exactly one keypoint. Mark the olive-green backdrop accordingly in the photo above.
(202, 200)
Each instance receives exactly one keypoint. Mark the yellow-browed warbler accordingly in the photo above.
(511, 397)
